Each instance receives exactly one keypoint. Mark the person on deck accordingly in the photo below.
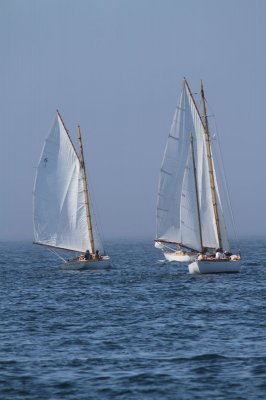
(227, 255)
(218, 254)
(97, 255)
(202, 256)
(87, 255)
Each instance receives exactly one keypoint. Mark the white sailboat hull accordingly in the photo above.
(104, 262)
(177, 257)
(214, 266)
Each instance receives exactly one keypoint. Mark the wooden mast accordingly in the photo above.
(86, 192)
(196, 188)
(209, 155)
(61, 119)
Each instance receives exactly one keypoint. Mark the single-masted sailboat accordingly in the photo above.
(62, 214)
(189, 209)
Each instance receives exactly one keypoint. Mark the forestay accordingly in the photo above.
(60, 216)
(177, 219)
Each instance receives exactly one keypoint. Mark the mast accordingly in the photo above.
(86, 192)
(196, 188)
(192, 98)
(61, 119)
(210, 162)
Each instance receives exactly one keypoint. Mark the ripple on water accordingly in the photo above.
(144, 329)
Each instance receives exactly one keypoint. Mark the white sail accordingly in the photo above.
(208, 223)
(60, 217)
(223, 231)
(189, 211)
(171, 178)
(187, 122)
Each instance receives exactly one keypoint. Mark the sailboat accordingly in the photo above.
(190, 221)
(62, 216)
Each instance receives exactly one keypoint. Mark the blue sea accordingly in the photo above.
(144, 329)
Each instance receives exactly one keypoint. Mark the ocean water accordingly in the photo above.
(143, 329)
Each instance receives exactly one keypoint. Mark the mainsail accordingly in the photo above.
(177, 215)
(60, 216)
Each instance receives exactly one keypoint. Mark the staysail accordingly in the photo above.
(190, 227)
(60, 218)
(187, 123)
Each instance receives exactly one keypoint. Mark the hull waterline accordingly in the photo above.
(104, 262)
(214, 267)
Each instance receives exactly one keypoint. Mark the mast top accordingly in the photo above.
(201, 88)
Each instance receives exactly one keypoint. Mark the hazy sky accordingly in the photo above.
(116, 68)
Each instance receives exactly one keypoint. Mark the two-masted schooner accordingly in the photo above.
(62, 214)
(189, 210)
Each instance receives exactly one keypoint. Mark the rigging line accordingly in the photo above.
(227, 191)
(168, 247)
(97, 220)
(56, 254)
(197, 101)
(225, 179)
(221, 179)
(98, 226)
